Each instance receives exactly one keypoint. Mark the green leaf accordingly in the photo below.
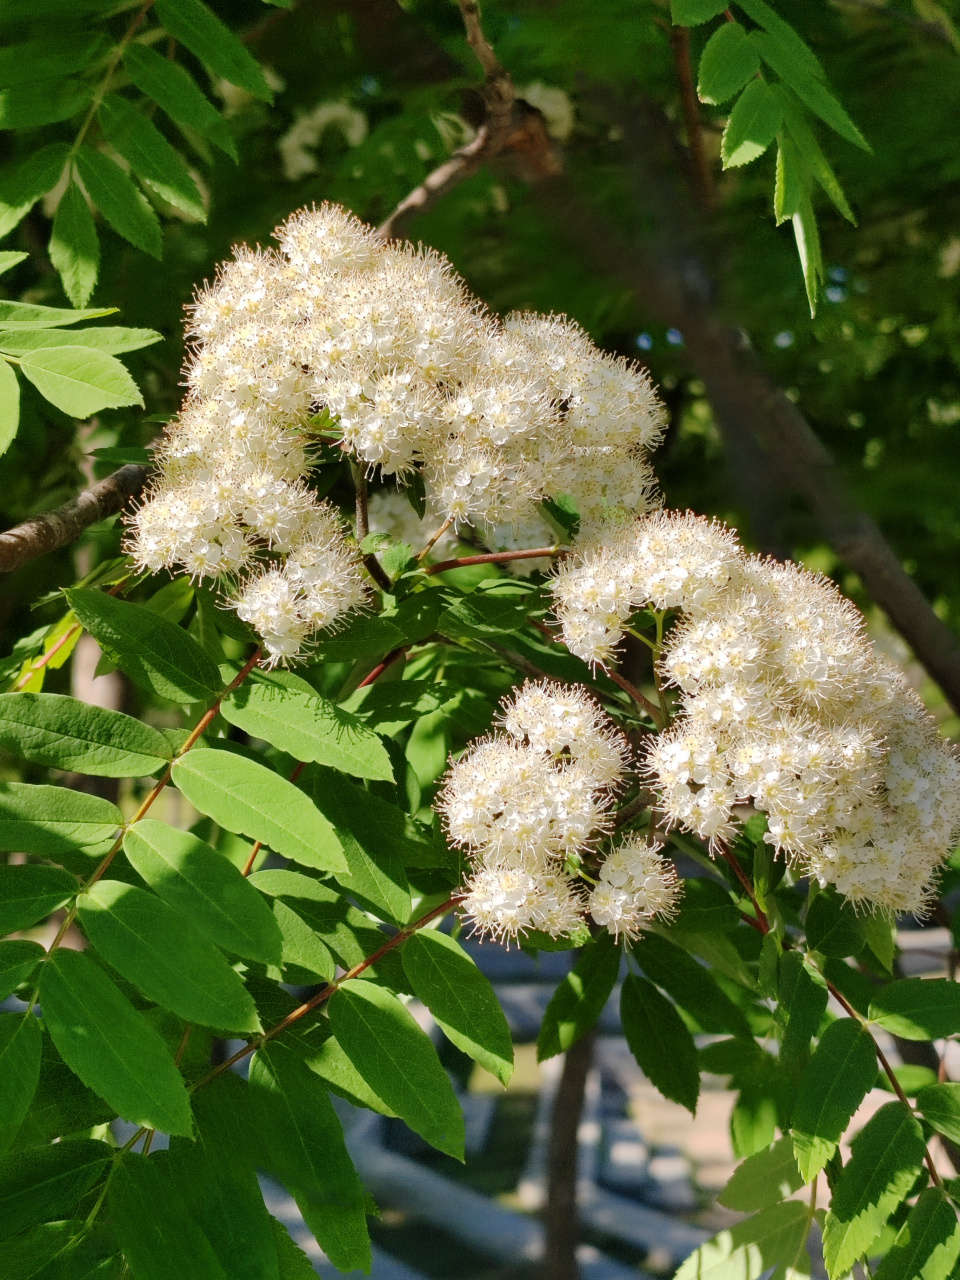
(840, 1074)
(754, 123)
(808, 88)
(881, 935)
(802, 1001)
(809, 148)
(250, 799)
(373, 853)
(728, 61)
(342, 1078)
(64, 733)
(886, 1156)
(398, 1061)
(10, 258)
(53, 57)
(149, 154)
(30, 316)
(763, 1179)
(745, 1251)
(80, 380)
(110, 1046)
(461, 1000)
(18, 960)
(116, 196)
(940, 1104)
(206, 888)
(200, 31)
(74, 248)
(48, 1181)
(833, 927)
(306, 1147)
(690, 985)
(29, 893)
(706, 907)
(176, 91)
(28, 105)
(307, 727)
(690, 13)
(579, 999)
(159, 1237)
(113, 339)
(927, 1245)
(153, 652)
(9, 406)
(299, 944)
(49, 821)
(29, 1254)
(792, 199)
(660, 1042)
(781, 31)
(387, 706)
(918, 1008)
(294, 1263)
(217, 1179)
(22, 187)
(20, 1050)
(485, 614)
(362, 637)
(165, 956)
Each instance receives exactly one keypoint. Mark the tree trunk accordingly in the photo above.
(560, 1215)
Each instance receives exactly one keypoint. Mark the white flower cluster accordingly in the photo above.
(525, 801)
(784, 706)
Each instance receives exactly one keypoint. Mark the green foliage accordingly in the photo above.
(928, 1243)
(763, 1179)
(775, 1237)
(840, 1073)
(63, 733)
(579, 999)
(660, 1042)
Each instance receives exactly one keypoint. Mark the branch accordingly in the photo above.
(702, 173)
(56, 529)
(493, 557)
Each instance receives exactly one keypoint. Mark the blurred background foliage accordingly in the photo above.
(370, 95)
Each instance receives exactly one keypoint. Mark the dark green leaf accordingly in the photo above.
(23, 186)
(74, 249)
(149, 154)
(387, 707)
(660, 1042)
(29, 105)
(28, 1254)
(299, 945)
(706, 907)
(927, 1245)
(160, 1238)
(754, 122)
(840, 1074)
(20, 1049)
(940, 1104)
(306, 1146)
(461, 1000)
(817, 162)
(802, 1001)
(118, 199)
(9, 406)
(398, 1061)
(49, 821)
(294, 1263)
(53, 57)
(362, 637)
(307, 726)
(176, 91)
(833, 927)
(781, 31)
(763, 1179)
(728, 61)
(918, 1008)
(153, 652)
(484, 614)
(690, 985)
(29, 893)
(165, 956)
(48, 1181)
(18, 959)
(744, 1252)
(110, 1046)
(64, 733)
(192, 23)
(112, 339)
(252, 800)
(808, 88)
(342, 1078)
(690, 13)
(206, 888)
(886, 1156)
(80, 381)
(579, 999)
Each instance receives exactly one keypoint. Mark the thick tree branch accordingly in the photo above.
(55, 529)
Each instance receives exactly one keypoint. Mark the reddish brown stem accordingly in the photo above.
(702, 175)
(378, 670)
(652, 711)
(742, 876)
(492, 557)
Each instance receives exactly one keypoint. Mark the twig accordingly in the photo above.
(55, 529)
(378, 670)
(434, 539)
(934, 29)
(702, 173)
(493, 557)
(652, 711)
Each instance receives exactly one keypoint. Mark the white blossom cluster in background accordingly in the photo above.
(413, 372)
(525, 801)
(784, 706)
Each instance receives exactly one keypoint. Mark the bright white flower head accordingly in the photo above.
(636, 886)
